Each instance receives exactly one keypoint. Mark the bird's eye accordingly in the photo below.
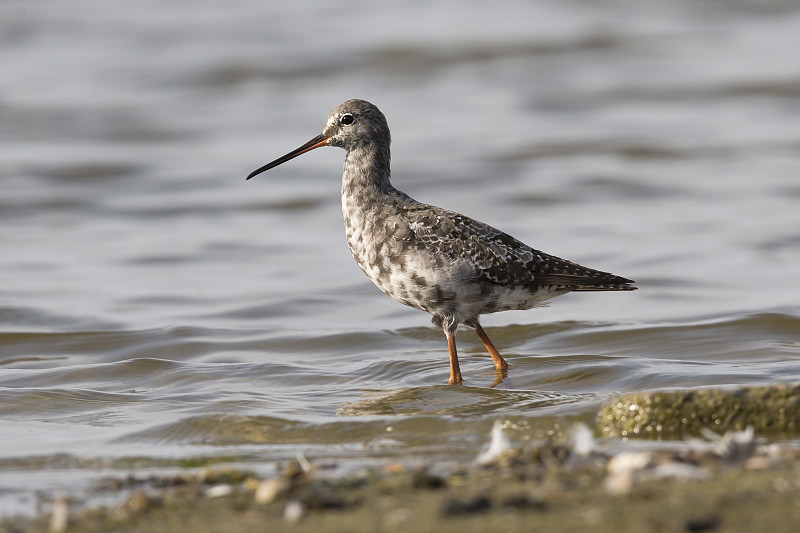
(347, 119)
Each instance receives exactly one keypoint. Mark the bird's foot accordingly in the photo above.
(500, 364)
(455, 379)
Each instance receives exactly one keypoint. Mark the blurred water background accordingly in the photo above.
(157, 311)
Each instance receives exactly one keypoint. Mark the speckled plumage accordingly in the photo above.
(438, 261)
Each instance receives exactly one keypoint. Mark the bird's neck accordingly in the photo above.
(367, 171)
(368, 203)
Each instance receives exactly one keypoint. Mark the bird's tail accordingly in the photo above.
(590, 280)
(608, 287)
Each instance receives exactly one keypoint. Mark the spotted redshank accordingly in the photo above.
(438, 261)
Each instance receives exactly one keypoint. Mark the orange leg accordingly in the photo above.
(455, 370)
(499, 362)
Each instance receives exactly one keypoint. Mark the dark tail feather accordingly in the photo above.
(596, 281)
(620, 287)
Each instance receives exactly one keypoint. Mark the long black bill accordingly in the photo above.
(316, 142)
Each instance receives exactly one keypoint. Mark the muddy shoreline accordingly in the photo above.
(733, 478)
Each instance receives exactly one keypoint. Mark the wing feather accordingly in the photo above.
(500, 258)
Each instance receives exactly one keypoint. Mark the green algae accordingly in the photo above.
(771, 410)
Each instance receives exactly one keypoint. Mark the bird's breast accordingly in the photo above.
(384, 248)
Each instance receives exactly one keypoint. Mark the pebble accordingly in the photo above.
(60, 517)
(217, 491)
(270, 489)
(294, 511)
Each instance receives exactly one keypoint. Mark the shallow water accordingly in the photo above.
(155, 308)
